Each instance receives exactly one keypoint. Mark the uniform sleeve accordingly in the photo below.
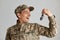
(48, 32)
(7, 35)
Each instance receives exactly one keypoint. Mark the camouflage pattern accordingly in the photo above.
(31, 31)
(20, 8)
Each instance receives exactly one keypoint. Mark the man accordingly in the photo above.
(24, 30)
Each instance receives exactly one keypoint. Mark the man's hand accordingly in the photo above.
(46, 12)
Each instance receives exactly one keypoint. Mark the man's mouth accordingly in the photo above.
(27, 18)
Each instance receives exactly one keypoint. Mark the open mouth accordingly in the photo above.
(27, 18)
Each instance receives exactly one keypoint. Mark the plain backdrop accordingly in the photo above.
(8, 18)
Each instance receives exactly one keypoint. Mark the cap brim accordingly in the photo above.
(31, 8)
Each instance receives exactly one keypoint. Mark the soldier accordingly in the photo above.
(23, 30)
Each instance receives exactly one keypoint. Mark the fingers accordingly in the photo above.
(46, 12)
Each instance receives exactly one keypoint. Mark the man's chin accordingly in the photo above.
(27, 21)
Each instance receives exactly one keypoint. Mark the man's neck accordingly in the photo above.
(21, 22)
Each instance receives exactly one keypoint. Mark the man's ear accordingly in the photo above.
(18, 15)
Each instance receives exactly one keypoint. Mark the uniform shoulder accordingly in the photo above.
(33, 24)
(11, 27)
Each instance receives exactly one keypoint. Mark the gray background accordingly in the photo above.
(8, 18)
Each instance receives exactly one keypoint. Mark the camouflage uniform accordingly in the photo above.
(31, 31)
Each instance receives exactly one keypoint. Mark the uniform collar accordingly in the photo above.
(19, 23)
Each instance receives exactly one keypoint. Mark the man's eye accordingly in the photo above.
(24, 12)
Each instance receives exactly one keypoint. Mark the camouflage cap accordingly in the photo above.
(22, 7)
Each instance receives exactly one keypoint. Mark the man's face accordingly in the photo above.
(25, 15)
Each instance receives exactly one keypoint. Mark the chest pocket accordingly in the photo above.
(29, 29)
